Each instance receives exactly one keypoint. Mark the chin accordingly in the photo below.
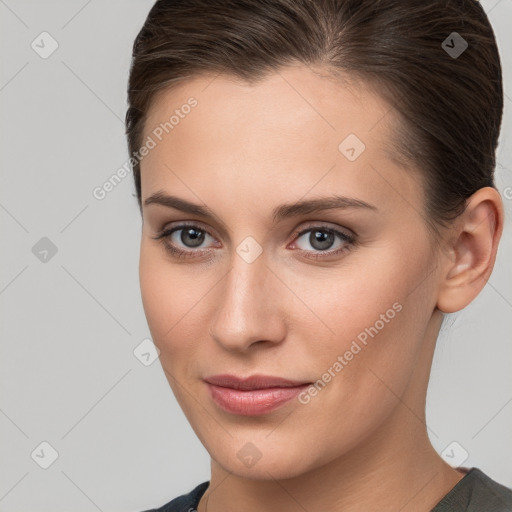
(263, 461)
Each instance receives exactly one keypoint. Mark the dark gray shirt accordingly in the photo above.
(475, 492)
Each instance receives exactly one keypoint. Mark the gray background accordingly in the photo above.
(70, 324)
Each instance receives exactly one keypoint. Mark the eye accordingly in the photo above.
(186, 240)
(179, 240)
(322, 239)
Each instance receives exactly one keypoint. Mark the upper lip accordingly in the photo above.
(252, 382)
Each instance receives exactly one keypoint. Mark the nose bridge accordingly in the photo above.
(246, 311)
(249, 274)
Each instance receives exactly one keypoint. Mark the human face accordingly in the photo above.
(250, 296)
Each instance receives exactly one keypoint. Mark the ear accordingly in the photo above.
(469, 258)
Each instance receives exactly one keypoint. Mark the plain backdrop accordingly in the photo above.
(72, 315)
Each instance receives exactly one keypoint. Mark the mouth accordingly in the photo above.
(254, 395)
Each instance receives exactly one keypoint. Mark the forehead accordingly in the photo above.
(282, 133)
(294, 98)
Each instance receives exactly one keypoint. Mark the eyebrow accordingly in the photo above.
(279, 213)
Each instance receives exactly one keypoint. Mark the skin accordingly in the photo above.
(361, 443)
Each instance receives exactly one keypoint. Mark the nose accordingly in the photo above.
(250, 307)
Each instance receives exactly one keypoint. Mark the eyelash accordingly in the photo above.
(349, 240)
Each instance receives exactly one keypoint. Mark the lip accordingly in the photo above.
(254, 395)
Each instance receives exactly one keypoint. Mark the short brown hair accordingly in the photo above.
(450, 106)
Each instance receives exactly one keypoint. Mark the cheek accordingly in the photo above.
(156, 293)
(368, 363)
(163, 294)
(377, 315)
(174, 302)
(171, 310)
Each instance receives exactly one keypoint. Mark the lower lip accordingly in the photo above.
(253, 402)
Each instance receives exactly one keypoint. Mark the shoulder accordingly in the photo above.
(476, 492)
(185, 502)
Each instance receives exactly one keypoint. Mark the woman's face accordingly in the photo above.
(262, 287)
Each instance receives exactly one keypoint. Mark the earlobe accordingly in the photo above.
(473, 251)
